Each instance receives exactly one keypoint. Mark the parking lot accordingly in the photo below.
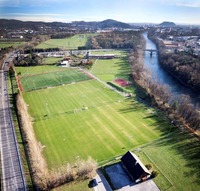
(121, 181)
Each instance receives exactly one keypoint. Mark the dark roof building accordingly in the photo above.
(135, 168)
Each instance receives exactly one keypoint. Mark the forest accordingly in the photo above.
(115, 40)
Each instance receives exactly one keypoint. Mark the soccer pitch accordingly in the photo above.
(51, 79)
(88, 119)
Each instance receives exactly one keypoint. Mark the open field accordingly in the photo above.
(108, 127)
(51, 79)
(52, 61)
(7, 44)
(176, 158)
(110, 69)
(67, 43)
(33, 70)
(86, 118)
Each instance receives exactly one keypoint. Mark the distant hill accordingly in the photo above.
(109, 23)
(167, 24)
(16, 24)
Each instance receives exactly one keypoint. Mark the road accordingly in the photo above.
(12, 176)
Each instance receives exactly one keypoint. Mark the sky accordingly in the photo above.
(129, 11)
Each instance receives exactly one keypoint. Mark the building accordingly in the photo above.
(65, 63)
(135, 168)
(104, 56)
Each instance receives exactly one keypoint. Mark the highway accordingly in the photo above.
(12, 176)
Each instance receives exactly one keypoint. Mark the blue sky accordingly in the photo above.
(151, 11)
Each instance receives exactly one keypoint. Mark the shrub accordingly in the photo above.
(148, 166)
(154, 174)
(116, 86)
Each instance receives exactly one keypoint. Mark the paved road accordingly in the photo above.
(12, 176)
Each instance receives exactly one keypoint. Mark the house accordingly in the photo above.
(135, 168)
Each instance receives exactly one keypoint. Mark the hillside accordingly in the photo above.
(167, 24)
(109, 23)
(16, 24)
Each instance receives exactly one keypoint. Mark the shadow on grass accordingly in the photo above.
(188, 146)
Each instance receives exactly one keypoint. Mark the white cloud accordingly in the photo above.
(38, 17)
(189, 4)
(19, 3)
(182, 3)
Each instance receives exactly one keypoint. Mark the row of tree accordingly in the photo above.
(179, 109)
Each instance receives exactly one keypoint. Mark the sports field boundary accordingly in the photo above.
(60, 78)
(25, 76)
(104, 83)
(19, 83)
(149, 158)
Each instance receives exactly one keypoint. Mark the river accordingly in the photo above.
(152, 64)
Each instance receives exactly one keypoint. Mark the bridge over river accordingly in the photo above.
(151, 51)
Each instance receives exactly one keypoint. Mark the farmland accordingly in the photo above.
(68, 43)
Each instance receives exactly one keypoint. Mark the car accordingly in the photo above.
(93, 183)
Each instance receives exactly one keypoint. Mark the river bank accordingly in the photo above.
(178, 109)
(180, 66)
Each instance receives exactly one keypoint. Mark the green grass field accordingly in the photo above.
(51, 79)
(52, 61)
(67, 43)
(108, 127)
(86, 118)
(176, 158)
(33, 70)
(81, 185)
(110, 69)
(7, 44)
